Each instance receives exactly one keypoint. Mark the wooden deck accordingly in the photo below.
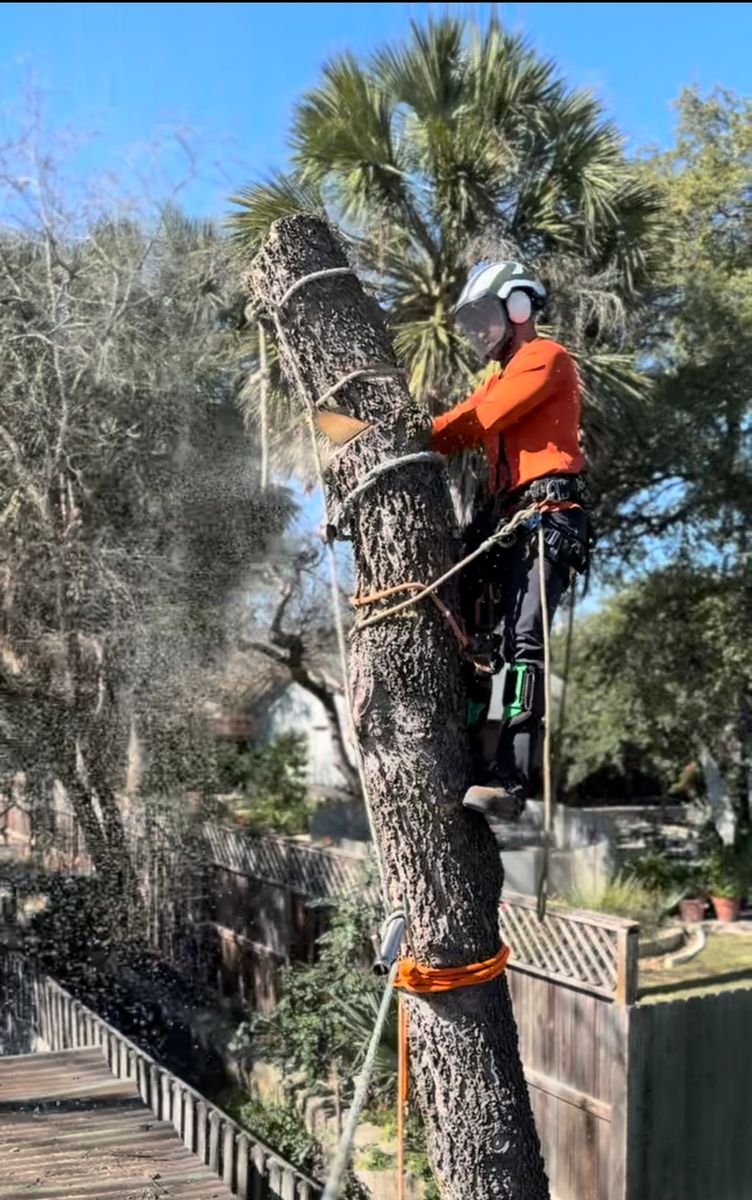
(70, 1130)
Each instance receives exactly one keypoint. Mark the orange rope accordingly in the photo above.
(402, 1095)
(420, 980)
(447, 614)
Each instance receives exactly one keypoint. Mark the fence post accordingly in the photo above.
(189, 1121)
(177, 1106)
(259, 1171)
(228, 1156)
(202, 1140)
(142, 1080)
(213, 1160)
(154, 1090)
(627, 964)
(242, 1180)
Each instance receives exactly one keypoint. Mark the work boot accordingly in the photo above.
(498, 798)
(501, 801)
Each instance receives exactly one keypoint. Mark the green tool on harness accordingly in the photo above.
(518, 689)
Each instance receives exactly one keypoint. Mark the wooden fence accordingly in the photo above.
(224, 907)
(311, 871)
(686, 1123)
(632, 1102)
(571, 978)
(589, 951)
(51, 1019)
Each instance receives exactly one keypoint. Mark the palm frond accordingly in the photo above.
(427, 74)
(261, 204)
(462, 144)
(343, 135)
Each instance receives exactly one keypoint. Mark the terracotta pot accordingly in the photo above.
(727, 909)
(692, 910)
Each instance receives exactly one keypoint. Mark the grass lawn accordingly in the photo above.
(724, 964)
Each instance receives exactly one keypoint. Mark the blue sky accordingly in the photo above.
(126, 73)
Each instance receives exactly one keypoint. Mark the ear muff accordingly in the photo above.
(519, 307)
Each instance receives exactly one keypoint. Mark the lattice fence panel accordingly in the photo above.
(577, 948)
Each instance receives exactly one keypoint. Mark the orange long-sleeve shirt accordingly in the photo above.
(527, 418)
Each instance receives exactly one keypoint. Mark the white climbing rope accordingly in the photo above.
(344, 1149)
(375, 473)
(385, 371)
(325, 273)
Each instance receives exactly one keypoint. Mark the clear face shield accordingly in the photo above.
(486, 326)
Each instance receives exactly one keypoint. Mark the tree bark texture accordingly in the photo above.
(409, 709)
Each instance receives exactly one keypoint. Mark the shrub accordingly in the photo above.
(282, 1128)
(729, 870)
(625, 896)
(326, 1009)
(664, 876)
(271, 780)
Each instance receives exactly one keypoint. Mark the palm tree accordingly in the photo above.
(461, 145)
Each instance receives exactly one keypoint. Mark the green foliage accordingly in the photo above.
(666, 662)
(664, 876)
(283, 1129)
(691, 462)
(311, 1031)
(374, 1158)
(272, 781)
(280, 1126)
(657, 873)
(728, 869)
(416, 1154)
(624, 895)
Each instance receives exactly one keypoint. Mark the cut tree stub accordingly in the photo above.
(409, 712)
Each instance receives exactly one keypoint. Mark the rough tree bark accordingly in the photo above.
(409, 709)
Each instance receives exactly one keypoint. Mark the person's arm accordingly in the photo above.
(459, 428)
(540, 372)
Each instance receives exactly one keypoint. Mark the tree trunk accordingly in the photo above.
(409, 707)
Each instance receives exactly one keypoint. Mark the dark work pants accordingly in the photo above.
(503, 593)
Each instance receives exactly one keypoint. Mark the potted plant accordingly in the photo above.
(727, 874)
(692, 906)
(669, 881)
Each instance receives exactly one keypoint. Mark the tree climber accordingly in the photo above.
(526, 417)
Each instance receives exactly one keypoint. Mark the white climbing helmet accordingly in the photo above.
(495, 298)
